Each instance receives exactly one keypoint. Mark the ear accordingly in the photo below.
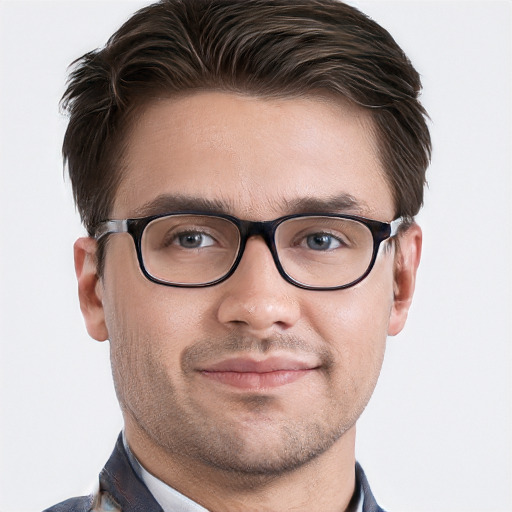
(90, 290)
(407, 259)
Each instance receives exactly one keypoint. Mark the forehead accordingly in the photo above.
(255, 156)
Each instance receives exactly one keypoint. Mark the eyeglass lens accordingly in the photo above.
(198, 249)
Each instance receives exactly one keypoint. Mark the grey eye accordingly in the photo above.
(322, 242)
(193, 240)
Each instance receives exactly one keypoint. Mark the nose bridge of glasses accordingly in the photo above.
(265, 229)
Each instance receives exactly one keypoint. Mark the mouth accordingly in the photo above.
(251, 374)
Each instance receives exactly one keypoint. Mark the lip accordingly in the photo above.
(252, 374)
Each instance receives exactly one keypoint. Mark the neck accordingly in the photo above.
(325, 483)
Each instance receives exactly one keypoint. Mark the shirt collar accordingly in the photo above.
(173, 501)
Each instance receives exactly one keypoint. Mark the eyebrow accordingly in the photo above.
(342, 203)
(170, 203)
(167, 203)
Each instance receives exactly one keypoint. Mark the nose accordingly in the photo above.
(256, 297)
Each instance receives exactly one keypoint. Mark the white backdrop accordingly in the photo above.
(437, 435)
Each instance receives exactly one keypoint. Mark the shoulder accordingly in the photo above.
(80, 504)
(119, 489)
(369, 502)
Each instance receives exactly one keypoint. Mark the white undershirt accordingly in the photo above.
(169, 498)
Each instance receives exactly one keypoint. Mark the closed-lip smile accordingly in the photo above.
(252, 374)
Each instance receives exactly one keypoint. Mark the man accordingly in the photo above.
(248, 173)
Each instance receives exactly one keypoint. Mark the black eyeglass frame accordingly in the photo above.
(380, 231)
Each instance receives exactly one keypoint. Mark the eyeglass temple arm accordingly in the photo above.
(111, 226)
(395, 226)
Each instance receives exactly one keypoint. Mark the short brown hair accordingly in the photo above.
(260, 47)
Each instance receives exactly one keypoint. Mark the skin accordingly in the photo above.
(287, 447)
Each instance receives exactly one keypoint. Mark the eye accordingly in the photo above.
(323, 242)
(193, 240)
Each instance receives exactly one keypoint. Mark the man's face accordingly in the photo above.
(297, 367)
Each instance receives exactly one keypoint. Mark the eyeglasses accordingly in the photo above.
(195, 249)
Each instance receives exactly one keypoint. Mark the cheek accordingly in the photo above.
(139, 306)
(148, 332)
(354, 322)
(151, 325)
